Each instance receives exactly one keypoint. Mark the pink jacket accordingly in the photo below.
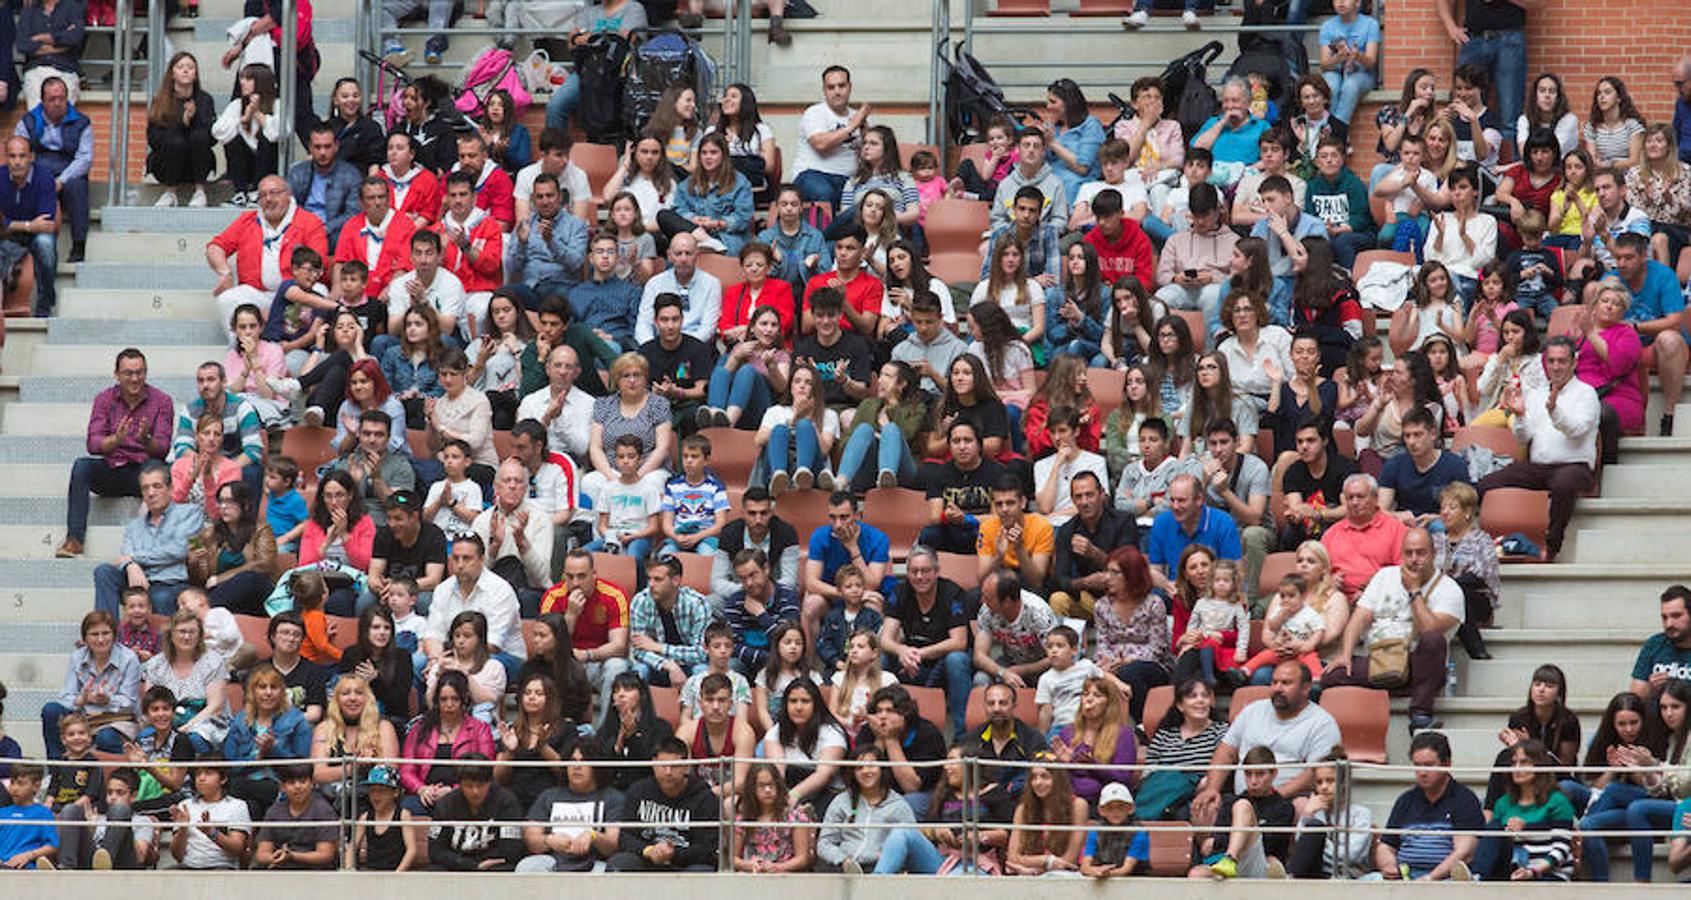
(473, 737)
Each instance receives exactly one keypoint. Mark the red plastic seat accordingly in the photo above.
(1364, 716)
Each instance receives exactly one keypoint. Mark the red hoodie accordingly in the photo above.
(1130, 254)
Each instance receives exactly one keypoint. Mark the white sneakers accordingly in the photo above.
(168, 198)
(1141, 18)
(199, 198)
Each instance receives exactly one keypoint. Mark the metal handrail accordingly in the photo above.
(286, 76)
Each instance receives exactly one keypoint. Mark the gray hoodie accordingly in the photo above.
(838, 839)
(1056, 199)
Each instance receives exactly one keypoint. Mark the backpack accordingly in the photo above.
(598, 63)
(1188, 97)
(656, 63)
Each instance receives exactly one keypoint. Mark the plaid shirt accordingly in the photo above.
(110, 413)
(1043, 249)
(692, 614)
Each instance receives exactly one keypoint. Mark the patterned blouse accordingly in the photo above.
(771, 844)
(1474, 553)
(1662, 201)
(607, 411)
(1387, 118)
(1144, 638)
(207, 675)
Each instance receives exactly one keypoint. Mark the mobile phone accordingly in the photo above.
(1191, 273)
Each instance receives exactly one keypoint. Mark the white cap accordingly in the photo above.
(1115, 792)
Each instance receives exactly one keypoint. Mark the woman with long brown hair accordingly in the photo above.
(1101, 733)
(714, 203)
(179, 142)
(1048, 799)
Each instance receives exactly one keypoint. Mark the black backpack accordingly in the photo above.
(657, 61)
(1187, 95)
(598, 63)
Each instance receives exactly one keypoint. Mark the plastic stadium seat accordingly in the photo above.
(930, 701)
(1171, 850)
(255, 630)
(975, 153)
(907, 150)
(1107, 386)
(343, 631)
(733, 453)
(597, 161)
(961, 568)
(1194, 321)
(1508, 510)
(1023, 8)
(1264, 446)
(1495, 438)
(900, 512)
(618, 569)
(1275, 566)
(956, 225)
(418, 441)
(725, 268)
(1563, 320)
(1364, 715)
(806, 511)
(666, 702)
(529, 628)
(1026, 709)
(1090, 8)
(1244, 697)
(310, 447)
(234, 697)
(1345, 440)
(958, 266)
(695, 570)
(1158, 700)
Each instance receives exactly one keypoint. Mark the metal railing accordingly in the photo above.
(971, 824)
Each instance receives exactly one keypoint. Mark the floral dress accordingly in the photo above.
(774, 844)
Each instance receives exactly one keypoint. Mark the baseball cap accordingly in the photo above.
(1115, 792)
(382, 776)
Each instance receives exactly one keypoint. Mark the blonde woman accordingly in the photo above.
(352, 727)
(1322, 592)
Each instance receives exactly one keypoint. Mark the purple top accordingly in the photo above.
(155, 414)
(1089, 783)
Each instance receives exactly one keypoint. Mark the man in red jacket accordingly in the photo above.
(494, 191)
(380, 238)
(261, 242)
(473, 249)
(1122, 248)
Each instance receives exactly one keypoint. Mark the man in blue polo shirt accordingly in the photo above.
(1411, 482)
(1657, 311)
(1188, 521)
(29, 204)
(845, 539)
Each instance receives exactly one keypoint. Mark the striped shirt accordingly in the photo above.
(899, 185)
(1169, 749)
(242, 433)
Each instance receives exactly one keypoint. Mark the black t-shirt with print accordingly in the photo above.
(849, 356)
(969, 491)
(410, 562)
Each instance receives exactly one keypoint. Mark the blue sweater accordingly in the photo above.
(611, 305)
(558, 260)
(734, 207)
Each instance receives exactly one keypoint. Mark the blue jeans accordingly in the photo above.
(1466, 289)
(659, 678)
(954, 672)
(891, 453)
(93, 473)
(1347, 245)
(744, 388)
(106, 740)
(906, 850)
(1610, 811)
(1298, 12)
(1280, 301)
(706, 546)
(512, 665)
(820, 187)
(564, 101)
(801, 437)
(44, 247)
(109, 582)
(1348, 90)
(1158, 230)
(1504, 55)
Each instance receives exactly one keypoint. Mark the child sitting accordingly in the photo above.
(1172, 205)
(1110, 854)
(981, 183)
(629, 507)
(211, 828)
(284, 508)
(846, 618)
(1572, 203)
(454, 501)
(924, 169)
(80, 785)
(1116, 162)
(380, 840)
(136, 630)
(222, 633)
(1246, 853)
(1536, 268)
(1224, 613)
(1410, 190)
(1293, 629)
(1318, 854)
(1058, 692)
(719, 651)
(1433, 309)
(298, 302)
(310, 592)
(695, 503)
(27, 846)
(851, 687)
(281, 844)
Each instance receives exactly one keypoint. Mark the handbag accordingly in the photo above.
(1388, 663)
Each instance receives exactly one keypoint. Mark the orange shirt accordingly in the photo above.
(317, 647)
(1037, 537)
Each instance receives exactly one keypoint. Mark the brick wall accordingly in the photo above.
(1580, 40)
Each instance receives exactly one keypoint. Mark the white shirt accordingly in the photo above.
(571, 179)
(1021, 314)
(270, 268)
(842, 160)
(701, 300)
(947, 310)
(629, 506)
(1482, 230)
(445, 293)
(753, 147)
(1132, 190)
(537, 562)
(1566, 436)
(1567, 132)
(570, 430)
(202, 852)
(553, 487)
(446, 520)
(1402, 199)
(492, 597)
(783, 415)
(1388, 599)
(1246, 372)
(1062, 690)
(1087, 461)
(1305, 737)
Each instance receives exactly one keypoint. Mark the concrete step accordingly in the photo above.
(126, 332)
(1630, 515)
(173, 220)
(143, 277)
(43, 670)
(1654, 451)
(1595, 675)
(176, 302)
(32, 480)
(1656, 480)
(45, 419)
(47, 509)
(172, 248)
(1560, 595)
(22, 337)
(95, 359)
(82, 388)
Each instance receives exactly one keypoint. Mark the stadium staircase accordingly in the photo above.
(145, 284)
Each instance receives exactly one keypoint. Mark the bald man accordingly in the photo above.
(251, 256)
(30, 207)
(518, 535)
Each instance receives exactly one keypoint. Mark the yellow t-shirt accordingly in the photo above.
(1037, 537)
(1571, 219)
